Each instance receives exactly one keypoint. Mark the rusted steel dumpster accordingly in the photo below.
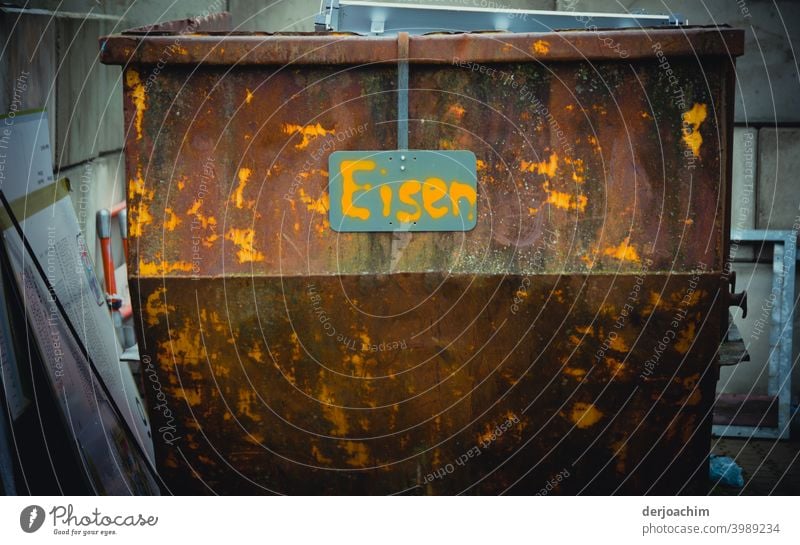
(567, 343)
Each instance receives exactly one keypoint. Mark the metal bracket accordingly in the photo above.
(402, 90)
(784, 265)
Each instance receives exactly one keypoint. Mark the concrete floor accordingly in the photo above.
(769, 467)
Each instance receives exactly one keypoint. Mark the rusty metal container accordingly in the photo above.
(566, 344)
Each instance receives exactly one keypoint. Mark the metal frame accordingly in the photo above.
(380, 18)
(784, 262)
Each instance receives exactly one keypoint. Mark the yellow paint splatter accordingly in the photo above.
(594, 143)
(480, 165)
(547, 167)
(359, 454)
(624, 252)
(207, 223)
(139, 198)
(162, 267)
(248, 97)
(618, 344)
(541, 47)
(334, 415)
(238, 195)
(244, 406)
(578, 169)
(691, 127)
(584, 415)
(155, 306)
(171, 220)
(565, 201)
(319, 457)
(574, 372)
(457, 110)
(307, 132)
(685, 338)
(243, 239)
(256, 353)
(320, 206)
(138, 97)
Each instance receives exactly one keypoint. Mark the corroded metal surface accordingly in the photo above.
(599, 180)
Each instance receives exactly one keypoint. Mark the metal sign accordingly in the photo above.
(403, 190)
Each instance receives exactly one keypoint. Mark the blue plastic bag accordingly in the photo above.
(724, 470)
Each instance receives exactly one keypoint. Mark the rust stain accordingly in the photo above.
(584, 415)
(692, 120)
(624, 252)
(243, 239)
(307, 132)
